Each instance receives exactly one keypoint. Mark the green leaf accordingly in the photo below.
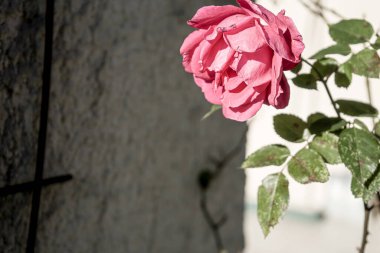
(289, 127)
(269, 155)
(213, 109)
(306, 81)
(355, 108)
(343, 75)
(372, 186)
(360, 152)
(327, 146)
(351, 31)
(341, 49)
(273, 200)
(324, 67)
(361, 125)
(314, 117)
(377, 129)
(366, 63)
(376, 45)
(307, 166)
(327, 125)
(297, 68)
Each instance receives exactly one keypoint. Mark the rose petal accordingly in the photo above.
(282, 99)
(249, 6)
(255, 68)
(203, 77)
(195, 63)
(273, 89)
(240, 96)
(248, 40)
(219, 57)
(212, 95)
(192, 40)
(232, 82)
(211, 15)
(294, 40)
(246, 111)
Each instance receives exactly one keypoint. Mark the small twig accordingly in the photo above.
(367, 210)
(318, 13)
(325, 8)
(324, 81)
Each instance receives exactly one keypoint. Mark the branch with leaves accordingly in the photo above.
(334, 140)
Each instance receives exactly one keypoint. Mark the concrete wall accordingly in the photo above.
(124, 120)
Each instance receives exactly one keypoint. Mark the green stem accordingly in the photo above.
(369, 93)
(367, 210)
(325, 85)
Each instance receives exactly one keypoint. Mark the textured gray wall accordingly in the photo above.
(124, 120)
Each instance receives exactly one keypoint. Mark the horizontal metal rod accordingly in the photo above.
(30, 186)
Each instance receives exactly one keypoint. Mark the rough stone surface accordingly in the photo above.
(124, 120)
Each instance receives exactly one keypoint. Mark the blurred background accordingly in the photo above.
(321, 217)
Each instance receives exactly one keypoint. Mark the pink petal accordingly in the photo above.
(239, 96)
(247, 40)
(212, 95)
(192, 40)
(211, 15)
(273, 90)
(195, 63)
(279, 91)
(255, 68)
(246, 111)
(249, 6)
(277, 42)
(219, 57)
(232, 83)
(294, 40)
(283, 97)
(235, 22)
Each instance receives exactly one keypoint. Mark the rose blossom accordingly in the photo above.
(238, 55)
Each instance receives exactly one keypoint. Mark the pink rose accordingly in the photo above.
(238, 55)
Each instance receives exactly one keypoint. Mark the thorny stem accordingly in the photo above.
(219, 166)
(324, 81)
(367, 215)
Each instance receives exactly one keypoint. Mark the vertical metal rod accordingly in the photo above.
(46, 78)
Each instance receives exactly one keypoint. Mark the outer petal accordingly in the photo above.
(249, 6)
(192, 41)
(211, 15)
(282, 99)
(294, 40)
(274, 88)
(276, 41)
(188, 47)
(279, 91)
(212, 95)
(240, 96)
(195, 63)
(246, 111)
(255, 68)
